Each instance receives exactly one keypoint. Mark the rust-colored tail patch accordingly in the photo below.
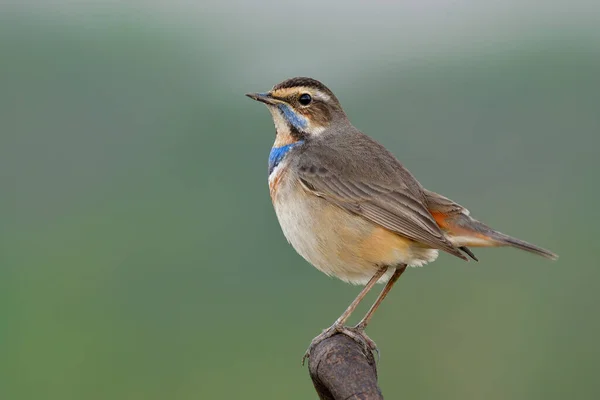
(462, 230)
(465, 231)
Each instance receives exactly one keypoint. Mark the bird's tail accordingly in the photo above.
(506, 240)
(464, 231)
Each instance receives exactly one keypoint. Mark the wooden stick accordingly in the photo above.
(341, 369)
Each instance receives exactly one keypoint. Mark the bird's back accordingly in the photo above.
(357, 156)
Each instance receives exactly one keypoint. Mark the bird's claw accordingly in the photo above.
(356, 333)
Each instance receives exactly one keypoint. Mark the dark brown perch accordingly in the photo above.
(341, 369)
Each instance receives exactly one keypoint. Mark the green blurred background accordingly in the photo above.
(140, 255)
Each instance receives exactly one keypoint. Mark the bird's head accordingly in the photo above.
(301, 108)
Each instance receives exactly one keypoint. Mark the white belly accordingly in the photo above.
(337, 242)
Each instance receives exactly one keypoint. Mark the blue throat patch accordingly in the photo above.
(296, 120)
(277, 154)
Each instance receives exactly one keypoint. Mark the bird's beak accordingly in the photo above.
(262, 97)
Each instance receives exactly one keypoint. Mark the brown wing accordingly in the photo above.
(393, 206)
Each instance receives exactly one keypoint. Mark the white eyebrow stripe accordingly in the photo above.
(295, 91)
(321, 95)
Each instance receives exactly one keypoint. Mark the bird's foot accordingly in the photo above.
(357, 333)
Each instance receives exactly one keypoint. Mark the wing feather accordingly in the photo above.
(394, 206)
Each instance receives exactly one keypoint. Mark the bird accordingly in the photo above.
(351, 209)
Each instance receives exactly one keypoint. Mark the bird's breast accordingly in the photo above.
(333, 240)
(278, 161)
(275, 177)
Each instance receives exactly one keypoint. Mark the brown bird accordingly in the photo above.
(350, 208)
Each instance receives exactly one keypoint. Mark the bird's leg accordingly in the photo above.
(358, 332)
(338, 325)
(388, 286)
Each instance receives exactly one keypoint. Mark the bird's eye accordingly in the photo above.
(305, 99)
